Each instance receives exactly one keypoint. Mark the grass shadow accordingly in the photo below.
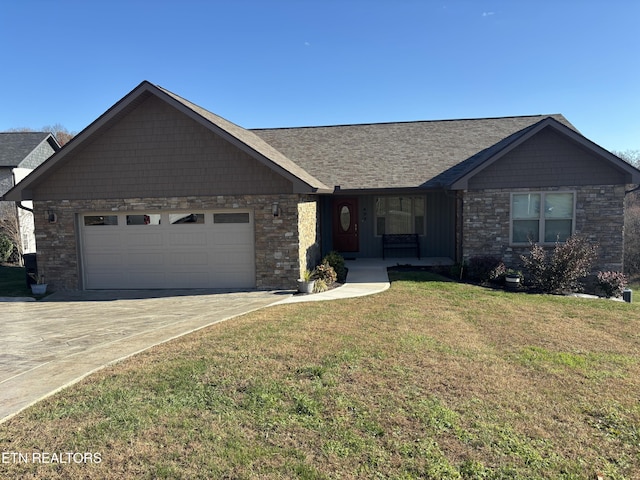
(13, 282)
(416, 274)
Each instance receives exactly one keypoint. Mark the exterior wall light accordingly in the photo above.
(275, 209)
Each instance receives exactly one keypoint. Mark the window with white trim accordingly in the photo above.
(542, 217)
(400, 215)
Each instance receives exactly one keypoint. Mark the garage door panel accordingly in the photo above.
(148, 278)
(165, 255)
(143, 239)
(188, 239)
(231, 256)
(146, 260)
(189, 279)
(102, 280)
(190, 259)
(235, 279)
(104, 259)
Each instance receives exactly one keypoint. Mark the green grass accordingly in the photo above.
(430, 379)
(12, 282)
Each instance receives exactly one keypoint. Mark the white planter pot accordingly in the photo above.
(512, 283)
(306, 287)
(38, 288)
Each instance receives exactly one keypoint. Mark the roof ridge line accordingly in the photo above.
(404, 122)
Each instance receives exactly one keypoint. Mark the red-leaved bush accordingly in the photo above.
(612, 283)
(562, 269)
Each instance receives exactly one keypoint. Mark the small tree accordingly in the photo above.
(6, 247)
(564, 268)
(10, 228)
(631, 220)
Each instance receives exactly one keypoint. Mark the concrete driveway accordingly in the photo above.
(47, 345)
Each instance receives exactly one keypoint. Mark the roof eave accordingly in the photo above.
(300, 185)
(633, 174)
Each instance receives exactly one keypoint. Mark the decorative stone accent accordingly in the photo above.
(308, 233)
(283, 245)
(599, 216)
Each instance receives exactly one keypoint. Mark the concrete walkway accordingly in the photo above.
(364, 278)
(48, 345)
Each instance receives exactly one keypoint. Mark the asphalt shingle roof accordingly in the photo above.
(397, 155)
(253, 141)
(16, 146)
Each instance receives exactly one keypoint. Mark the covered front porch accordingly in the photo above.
(354, 225)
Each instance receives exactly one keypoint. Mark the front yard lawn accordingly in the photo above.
(430, 379)
(13, 282)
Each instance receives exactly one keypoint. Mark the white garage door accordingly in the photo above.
(168, 250)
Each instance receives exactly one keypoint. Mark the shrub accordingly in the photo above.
(483, 268)
(612, 283)
(6, 248)
(325, 273)
(563, 269)
(337, 262)
(320, 286)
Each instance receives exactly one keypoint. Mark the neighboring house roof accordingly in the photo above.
(16, 148)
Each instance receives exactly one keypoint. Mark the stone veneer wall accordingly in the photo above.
(277, 245)
(308, 231)
(599, 216)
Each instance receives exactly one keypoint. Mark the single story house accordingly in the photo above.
(20, 153)
(161, 193)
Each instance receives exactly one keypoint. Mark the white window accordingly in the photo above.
(400, 215)
(545, 217)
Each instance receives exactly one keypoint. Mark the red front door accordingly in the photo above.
(345, 225)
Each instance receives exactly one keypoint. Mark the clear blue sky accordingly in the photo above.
(274, 63)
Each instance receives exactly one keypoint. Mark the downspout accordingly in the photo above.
(632, 190)
(19, 205)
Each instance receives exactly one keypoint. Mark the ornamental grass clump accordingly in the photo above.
(562, 269)
(612, 283)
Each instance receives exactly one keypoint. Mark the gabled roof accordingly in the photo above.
(15, 147)
(252, 143)
(382, 156)
(242, 138)
(421, 155)
(458, 176)
(394, 155)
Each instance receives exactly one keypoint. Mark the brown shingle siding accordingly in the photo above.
(545, 160)
(146, 155)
